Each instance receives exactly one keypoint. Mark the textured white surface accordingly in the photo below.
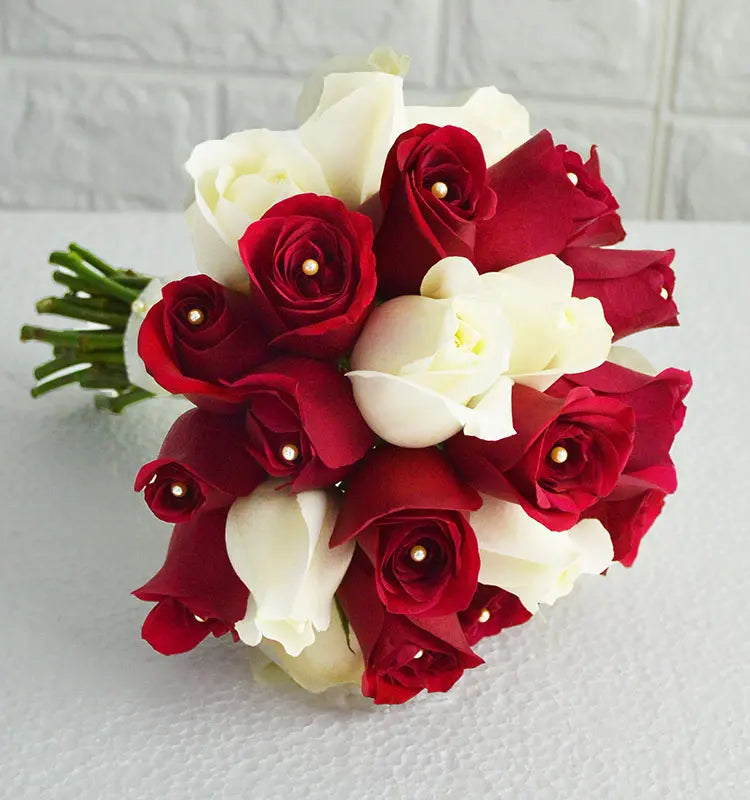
(103, 100)
(636, 686)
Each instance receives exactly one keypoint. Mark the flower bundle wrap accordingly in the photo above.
(411, 427)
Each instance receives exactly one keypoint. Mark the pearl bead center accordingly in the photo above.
(439, 189)
(664, 294)
(195, 316)
(418, 654)
(573, 178)
(484, 615)
(310, 267)
(559, 455)
(290, 452)
(418, 553)
(178, 489)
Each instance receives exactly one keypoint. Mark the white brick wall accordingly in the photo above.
(101, 100)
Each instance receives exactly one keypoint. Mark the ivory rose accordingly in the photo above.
(427, 366)
(277, 543)
(537, 565)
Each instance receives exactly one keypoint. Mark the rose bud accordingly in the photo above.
(541, 209)
(201, 338)
(277, 543)
(403, 655)
(203, 464)
(658, 404)
(567, 453)
(491, 611)
(628, 519)
(405, 508)
(302, 423)
(596, 221)
(635, 287)
(433, 194)
(312, 274)
(196, 591)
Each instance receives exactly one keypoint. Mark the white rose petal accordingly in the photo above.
(358, 117)
(630, 358)
(497, 120)
(237, 180)
(331, 660)
(522, 556)
(553, 332)
(277, 543)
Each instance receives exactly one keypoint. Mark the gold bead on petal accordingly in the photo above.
(290, 452)
(439, 189)
(484, 615)
(418, 553)
(195, 316)
(558, 454)
(310, 267)
(178, 489)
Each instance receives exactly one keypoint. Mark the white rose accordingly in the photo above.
(498, 120)
(237, 180)
(331, 660)
(277, 543)
(520, 555)
(351, 117)
(426, 367)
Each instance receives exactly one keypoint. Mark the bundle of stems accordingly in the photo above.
(90, 356)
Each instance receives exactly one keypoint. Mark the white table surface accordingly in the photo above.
(635, 686)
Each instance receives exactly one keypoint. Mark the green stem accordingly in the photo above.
(95, 261)
(62, 308)
(85, 341)
(119, 402)
(73, 282)
(99, 378)
(56, 383)
(132, 280)
(97, 303)
(70, 358)
(103, 285)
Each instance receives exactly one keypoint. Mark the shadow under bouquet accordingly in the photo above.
(411, 427)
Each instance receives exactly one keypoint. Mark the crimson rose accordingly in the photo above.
(402, 655)
(596, 222)
(539, 208)
(312, 273)
(567, 453)
(433, 193)
(199, 339)
(634, 286)
(203, 464)
(658, 404)
(302, 423)
(491, 611)
(404, 506)
(196, 591)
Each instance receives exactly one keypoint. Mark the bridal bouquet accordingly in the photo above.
(411, 427)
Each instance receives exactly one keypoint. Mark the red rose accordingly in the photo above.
(658, 404)
(402, 655)
(491, 611)
(433, 193)
(597, 222)
(302, 422)
(199, 339)
(628, 519)
(634, 286)
(196, 591)
(566, 454)
(203, 464)
(539, 209)
(404, 507)
(312, 273)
